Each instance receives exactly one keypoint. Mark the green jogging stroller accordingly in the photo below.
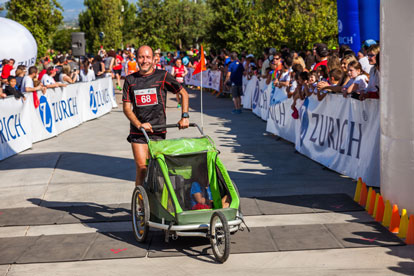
(167, 201)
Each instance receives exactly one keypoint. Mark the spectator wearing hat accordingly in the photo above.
(48, 79)
(322, 54)
(366, 66)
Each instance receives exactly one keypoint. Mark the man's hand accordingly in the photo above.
(147, 127)
(184, 123)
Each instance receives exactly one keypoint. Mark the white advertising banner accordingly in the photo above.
(249, 92)
(280, 121)
(342, 134)
(23, 123)
(211, 79)
(259, 99)
(15, 127)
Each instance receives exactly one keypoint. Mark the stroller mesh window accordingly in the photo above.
(158, 187)
(189, 173)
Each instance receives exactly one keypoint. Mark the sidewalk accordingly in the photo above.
(79, 186)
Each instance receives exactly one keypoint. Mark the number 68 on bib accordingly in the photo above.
(146, 97)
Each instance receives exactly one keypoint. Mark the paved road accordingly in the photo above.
(92, 166)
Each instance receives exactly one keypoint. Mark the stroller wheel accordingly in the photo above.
(140, 213)
(220, 236)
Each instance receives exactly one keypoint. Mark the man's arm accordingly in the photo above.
(184, 122)
(127, 108)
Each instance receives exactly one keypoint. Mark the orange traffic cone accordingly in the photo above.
(357, 195)
(369, 199)
(402, 233)
(410, 231)
(380, 210)
(364, 194)
(374, 215)
(386, 221)
(373, 200)
(395, 220)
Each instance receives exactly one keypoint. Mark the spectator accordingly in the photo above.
(358, 80)
(98, 67)
(333, 62)
(20, 73)
(235, 76)
(179, 71)
(48, 79)
(7, 68)
(59, 66)
(299, 60)
(322, 53)
(372, 91)
(366, 66)
(86, 73)
(131, 65)
(67, 76)
(10, 89)
(28, 82)
(102, 52)
(109, 63)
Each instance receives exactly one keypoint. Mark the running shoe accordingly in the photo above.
(178, 105)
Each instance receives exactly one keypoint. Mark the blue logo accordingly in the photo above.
(45, 114)
(304, 120)
(92, 101)
(256, 95)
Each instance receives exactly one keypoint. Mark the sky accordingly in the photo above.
(72, 8)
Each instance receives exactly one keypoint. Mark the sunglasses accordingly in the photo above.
(371, 55)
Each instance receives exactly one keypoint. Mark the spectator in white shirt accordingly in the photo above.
(86, 73)
(48, 79)
(27, 83)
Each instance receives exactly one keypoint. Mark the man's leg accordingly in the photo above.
(140, 155)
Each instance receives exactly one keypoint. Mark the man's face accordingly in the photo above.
(145, 60)
(178, 63)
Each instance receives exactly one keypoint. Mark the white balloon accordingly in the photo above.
(17, 42)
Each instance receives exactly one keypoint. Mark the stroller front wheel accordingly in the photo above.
(140, 213)
(220, 236)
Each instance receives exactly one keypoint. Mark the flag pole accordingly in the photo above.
(201, 95)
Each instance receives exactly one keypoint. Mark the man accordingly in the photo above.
(322, 54)
(235, 75)
(27, 83)
(48, 79)
(144, 98)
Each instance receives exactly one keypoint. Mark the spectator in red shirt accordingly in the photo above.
(7, 67)
(322, 54)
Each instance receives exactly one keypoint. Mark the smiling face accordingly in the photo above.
(352, 72)
(372, 58)
(145, 60)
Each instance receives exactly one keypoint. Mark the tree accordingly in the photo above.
(230, 24)
(101, 17)
(128, 20)
(40, 17)
(62, 39)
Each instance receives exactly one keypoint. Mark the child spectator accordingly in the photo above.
(358, 80)
(334, 78)
(301, 91)
(313, 77)
(10, 89)
(296, 69)
(322, 73)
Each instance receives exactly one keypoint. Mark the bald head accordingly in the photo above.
(145, 60)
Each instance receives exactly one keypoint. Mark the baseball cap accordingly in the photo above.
(369, 42)
(322, 49)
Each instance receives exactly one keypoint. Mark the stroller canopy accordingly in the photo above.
(181, 146)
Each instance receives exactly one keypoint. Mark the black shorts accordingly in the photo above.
(140, 139)
(236, 91)
(118, 71)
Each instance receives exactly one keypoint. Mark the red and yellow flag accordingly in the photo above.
(201, 66)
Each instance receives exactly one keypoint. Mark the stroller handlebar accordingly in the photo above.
(169, 126)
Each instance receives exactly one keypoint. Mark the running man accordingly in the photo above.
(144, 98)
(179, 71)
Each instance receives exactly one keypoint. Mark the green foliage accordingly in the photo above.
(254, 25)
(40, 17)
(128, 20)
(62, 39)
(101, 16)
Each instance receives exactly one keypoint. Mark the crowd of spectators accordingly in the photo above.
(301, 73)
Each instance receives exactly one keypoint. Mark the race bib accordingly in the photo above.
(146, 97)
